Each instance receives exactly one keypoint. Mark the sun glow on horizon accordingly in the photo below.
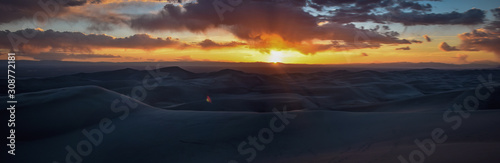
(276, 56)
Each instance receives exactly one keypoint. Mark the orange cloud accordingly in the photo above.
(251, 23)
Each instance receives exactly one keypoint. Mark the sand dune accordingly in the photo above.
(339, 116)
(257, 92)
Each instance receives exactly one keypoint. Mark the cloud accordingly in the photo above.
(77, 42)
(101, 15)
(461, 58)
(363, 6)
(405, 12)
(445, 47)
(62, 56)
(404, 48)
(55, 45)
(416, 41)
(427, 38)
(470, 17)
(481, 39)
(251, 23)
(209, 44)
(494, 25)
(486, 38)
(18, 9)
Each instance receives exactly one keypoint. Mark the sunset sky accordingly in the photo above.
(287, 31)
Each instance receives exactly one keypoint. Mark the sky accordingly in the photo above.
(286, 31)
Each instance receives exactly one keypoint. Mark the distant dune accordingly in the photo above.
(340, 89)
(57, 68)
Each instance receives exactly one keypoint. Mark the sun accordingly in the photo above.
(276, 56)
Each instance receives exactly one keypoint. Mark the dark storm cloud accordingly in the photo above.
(79, 42)
(289, 27)
(397, 11)
(38, 12)
(261, 24)
(283, 24)
(209, 44)
(470, 17)
(62, 56)
(481, 39)
(100, 20)
(54, 45)
(404, 48)
(415, 6)
(18, 9)
(416, 41)
(197, 18)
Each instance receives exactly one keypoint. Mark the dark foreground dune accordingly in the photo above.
(338, 116)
